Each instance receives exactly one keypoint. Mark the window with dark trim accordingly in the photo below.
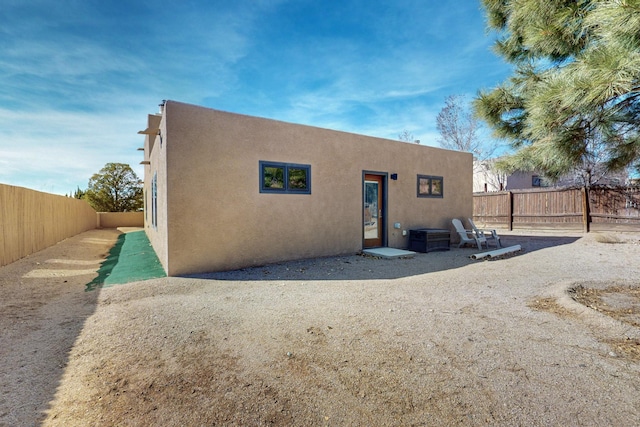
(430, 186)
(154, 201)
(286, 178)
(539, 181)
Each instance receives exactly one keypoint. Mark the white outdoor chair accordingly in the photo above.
(487, 234)
(468, 236)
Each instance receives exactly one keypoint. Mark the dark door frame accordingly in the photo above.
(385, 184)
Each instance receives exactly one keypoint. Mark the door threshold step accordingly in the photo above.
(388, 253)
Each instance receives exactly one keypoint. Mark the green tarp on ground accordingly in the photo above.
(131, 259)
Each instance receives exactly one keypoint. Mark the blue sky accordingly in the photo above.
(78, 77)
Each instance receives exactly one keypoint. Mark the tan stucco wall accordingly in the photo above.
(155, 154)
(519, 181)
(217, 219)
(120, 219)
(31, 221)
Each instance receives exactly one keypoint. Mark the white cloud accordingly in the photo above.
(76, 82)
(68, 146)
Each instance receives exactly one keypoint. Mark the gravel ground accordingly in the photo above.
(437, 339)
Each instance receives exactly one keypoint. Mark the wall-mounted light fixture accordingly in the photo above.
(394, 176)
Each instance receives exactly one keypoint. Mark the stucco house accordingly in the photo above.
(226, 191)
(485, 179)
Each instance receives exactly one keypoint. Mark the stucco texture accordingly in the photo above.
(212, 215)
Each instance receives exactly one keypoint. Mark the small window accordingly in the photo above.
(154, 201)
(285, 178)
(539, 181)
(430, 186)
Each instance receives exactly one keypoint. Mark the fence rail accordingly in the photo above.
(596, 209)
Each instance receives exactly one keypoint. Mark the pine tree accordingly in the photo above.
(575, 92)
(78, 194)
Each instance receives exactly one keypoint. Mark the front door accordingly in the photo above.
(373, 211)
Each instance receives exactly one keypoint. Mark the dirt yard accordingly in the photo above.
(438, 339)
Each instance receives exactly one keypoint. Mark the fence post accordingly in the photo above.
(585, 210)
(510, 210)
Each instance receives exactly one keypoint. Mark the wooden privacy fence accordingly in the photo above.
(120, 219)
(596, 209)
(31, 221)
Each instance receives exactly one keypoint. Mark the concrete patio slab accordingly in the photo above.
(389, 253)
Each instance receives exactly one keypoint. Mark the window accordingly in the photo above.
(154, 201)
(539, 181)
(430, 186)
(285, 178)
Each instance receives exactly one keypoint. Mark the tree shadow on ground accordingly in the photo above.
(363, 267)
